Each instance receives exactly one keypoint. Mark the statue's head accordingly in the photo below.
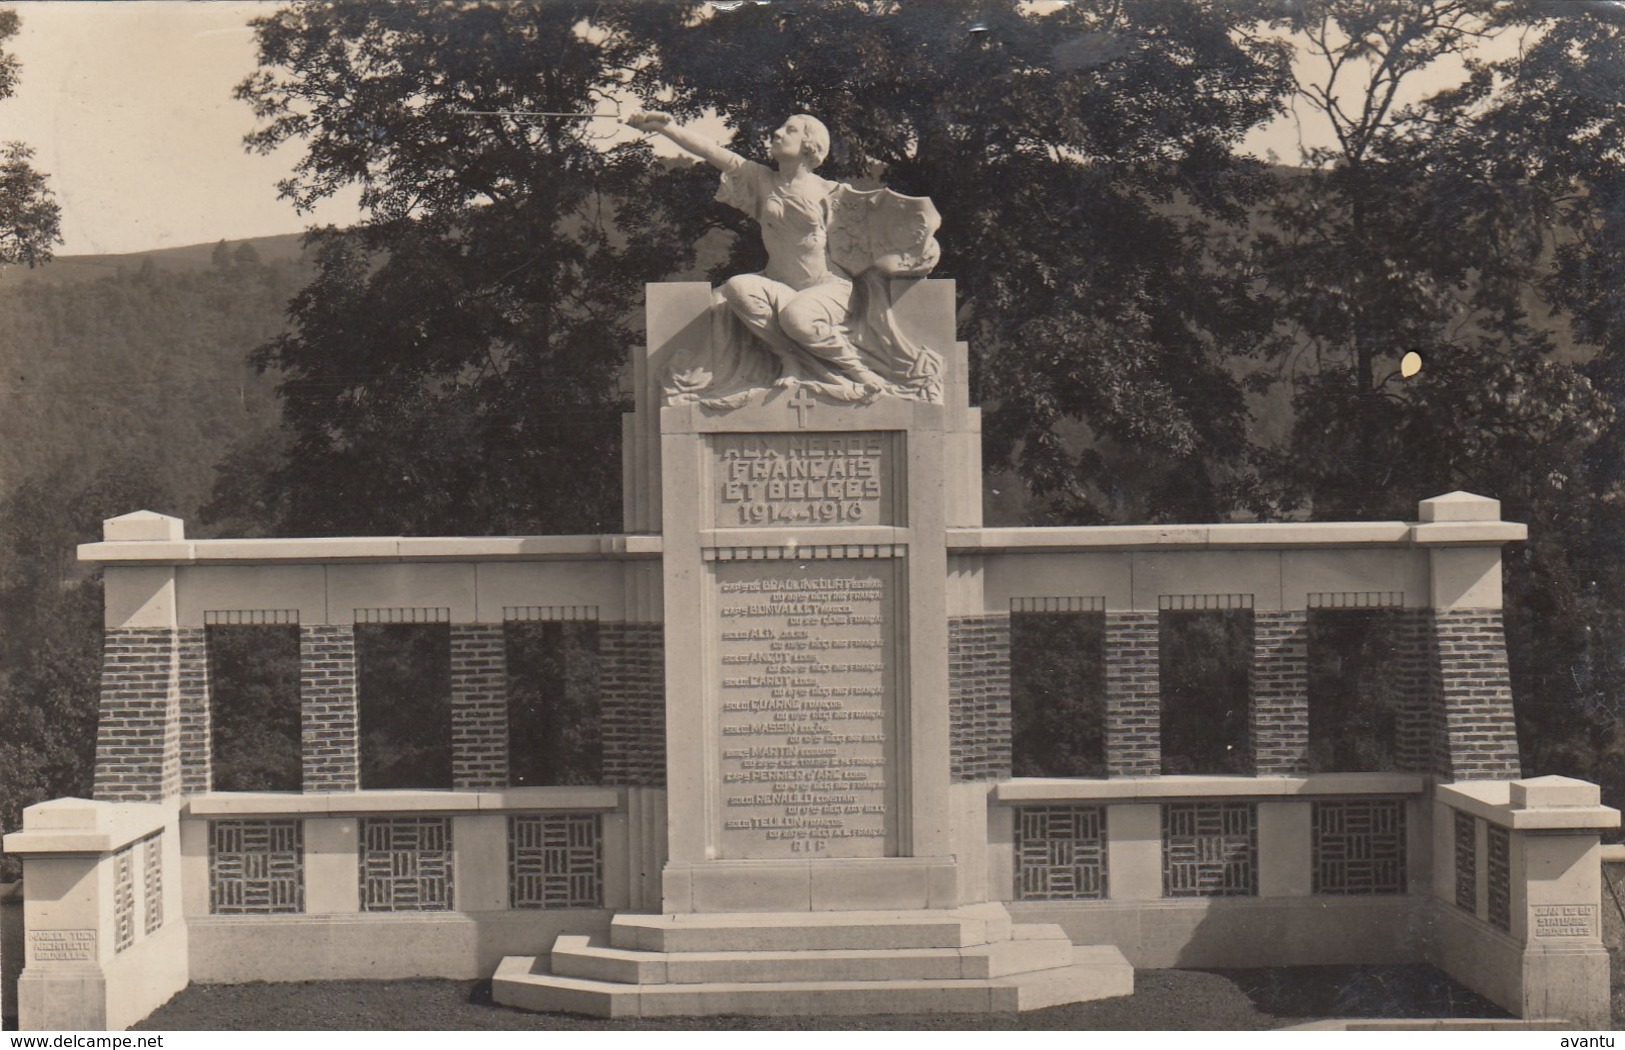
(802, 136)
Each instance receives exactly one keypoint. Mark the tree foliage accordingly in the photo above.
(150, 357)
(1468, 225)
(1129, 280)
(29, 216)
(51, 628)
(452, 368)
(1056, 146)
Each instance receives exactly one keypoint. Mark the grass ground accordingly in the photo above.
(1221, 1000)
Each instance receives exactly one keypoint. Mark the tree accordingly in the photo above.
(453, 366)
(51, 629)
(1463, 225)
(455, 358)
(1085, 163)
(30, 221)
(1563, 115)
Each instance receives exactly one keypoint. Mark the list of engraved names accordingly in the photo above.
(805, 696)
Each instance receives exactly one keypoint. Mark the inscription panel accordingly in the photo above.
(807, 701)
(1565, 920)
(813, 479)
(61, 946)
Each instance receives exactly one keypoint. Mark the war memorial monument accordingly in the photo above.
(803, 657)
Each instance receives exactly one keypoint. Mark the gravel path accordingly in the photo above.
(1222, 1000)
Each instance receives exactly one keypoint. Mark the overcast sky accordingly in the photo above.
(128, 106)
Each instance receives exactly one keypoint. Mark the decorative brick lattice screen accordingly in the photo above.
(1060, 853)
(632, 702)
(1209, 849)
(1133, 703)
(1358, 847)
(1498, 862)
(152, 880)
(979, 697)
(1466, 863)
(556, 860)
(123, 899)
(256, 867)
(405, 864)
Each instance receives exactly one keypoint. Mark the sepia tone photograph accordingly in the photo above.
(648, 515)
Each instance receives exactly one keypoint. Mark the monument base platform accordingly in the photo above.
(966, 960)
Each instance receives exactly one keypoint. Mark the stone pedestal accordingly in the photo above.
(807, 637)
(105, 941)
(817, 861)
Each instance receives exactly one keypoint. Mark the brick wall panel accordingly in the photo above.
(1279, 725)
(1416, 668)
(192, 657)
(479, 706)
(1478, 738)
(329, 708)
(1133, 704)
(138, 735)
(632, 702)
(979, 697)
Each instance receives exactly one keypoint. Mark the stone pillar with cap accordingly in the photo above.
(1472, 689)
(1532, 939)
(139, 735)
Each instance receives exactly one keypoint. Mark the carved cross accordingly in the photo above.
(802, 403)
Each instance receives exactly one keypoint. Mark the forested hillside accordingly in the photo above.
(141, 360)
(123, 382)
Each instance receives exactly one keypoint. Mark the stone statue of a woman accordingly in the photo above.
(821, 329)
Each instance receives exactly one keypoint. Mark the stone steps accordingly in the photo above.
(967, 960)
(580, 957)
(811, 931)
(1102, 973)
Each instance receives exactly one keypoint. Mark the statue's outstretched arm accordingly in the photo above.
(708, 150)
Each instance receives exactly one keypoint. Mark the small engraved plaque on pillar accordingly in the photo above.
(1565, 920)
(45, 946)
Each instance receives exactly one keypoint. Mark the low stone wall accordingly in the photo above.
(459, 946)
(1495, 882)
(1243, 933)
(1194, 871)
(400, 884)
(105, 941)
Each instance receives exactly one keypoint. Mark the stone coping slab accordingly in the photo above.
(351, 803)
(1493, 800)
(77, 825)
(1036, 789)
(373, 549)
(1274, 536)
(1055, 540)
